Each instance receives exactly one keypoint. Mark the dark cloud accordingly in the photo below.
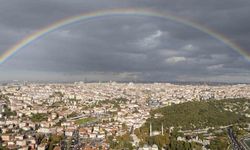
(127, 47)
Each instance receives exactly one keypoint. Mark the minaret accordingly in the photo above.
(150, 129)
(162, 129)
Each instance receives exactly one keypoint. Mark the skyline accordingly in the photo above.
(126, 47)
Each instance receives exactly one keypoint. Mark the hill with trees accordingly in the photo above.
(200, 114)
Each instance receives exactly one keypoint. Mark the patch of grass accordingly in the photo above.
(85, 120)
(39, 117)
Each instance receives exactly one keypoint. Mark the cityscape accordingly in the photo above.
(124, 75)
(108, 115)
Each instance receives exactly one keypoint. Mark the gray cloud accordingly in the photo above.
(127, 47)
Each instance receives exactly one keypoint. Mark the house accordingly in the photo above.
(22, 124)
(11, 143)
(21, 143)
(24, 148)
(42, 146)
(83, 132)
(5, 137)
(44, 130)
(92, 135)
(69, 132)
(19, 137)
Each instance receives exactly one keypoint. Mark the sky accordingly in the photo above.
(126, 48)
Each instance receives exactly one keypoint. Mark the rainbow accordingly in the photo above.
(117, 12)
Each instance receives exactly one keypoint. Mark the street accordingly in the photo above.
(235, 144)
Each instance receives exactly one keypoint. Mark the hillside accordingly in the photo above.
(195, 115)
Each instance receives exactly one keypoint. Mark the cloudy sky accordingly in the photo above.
(126, 48)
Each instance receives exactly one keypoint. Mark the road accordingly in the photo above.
(76, 145)
(73, 143)
(235, 144)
